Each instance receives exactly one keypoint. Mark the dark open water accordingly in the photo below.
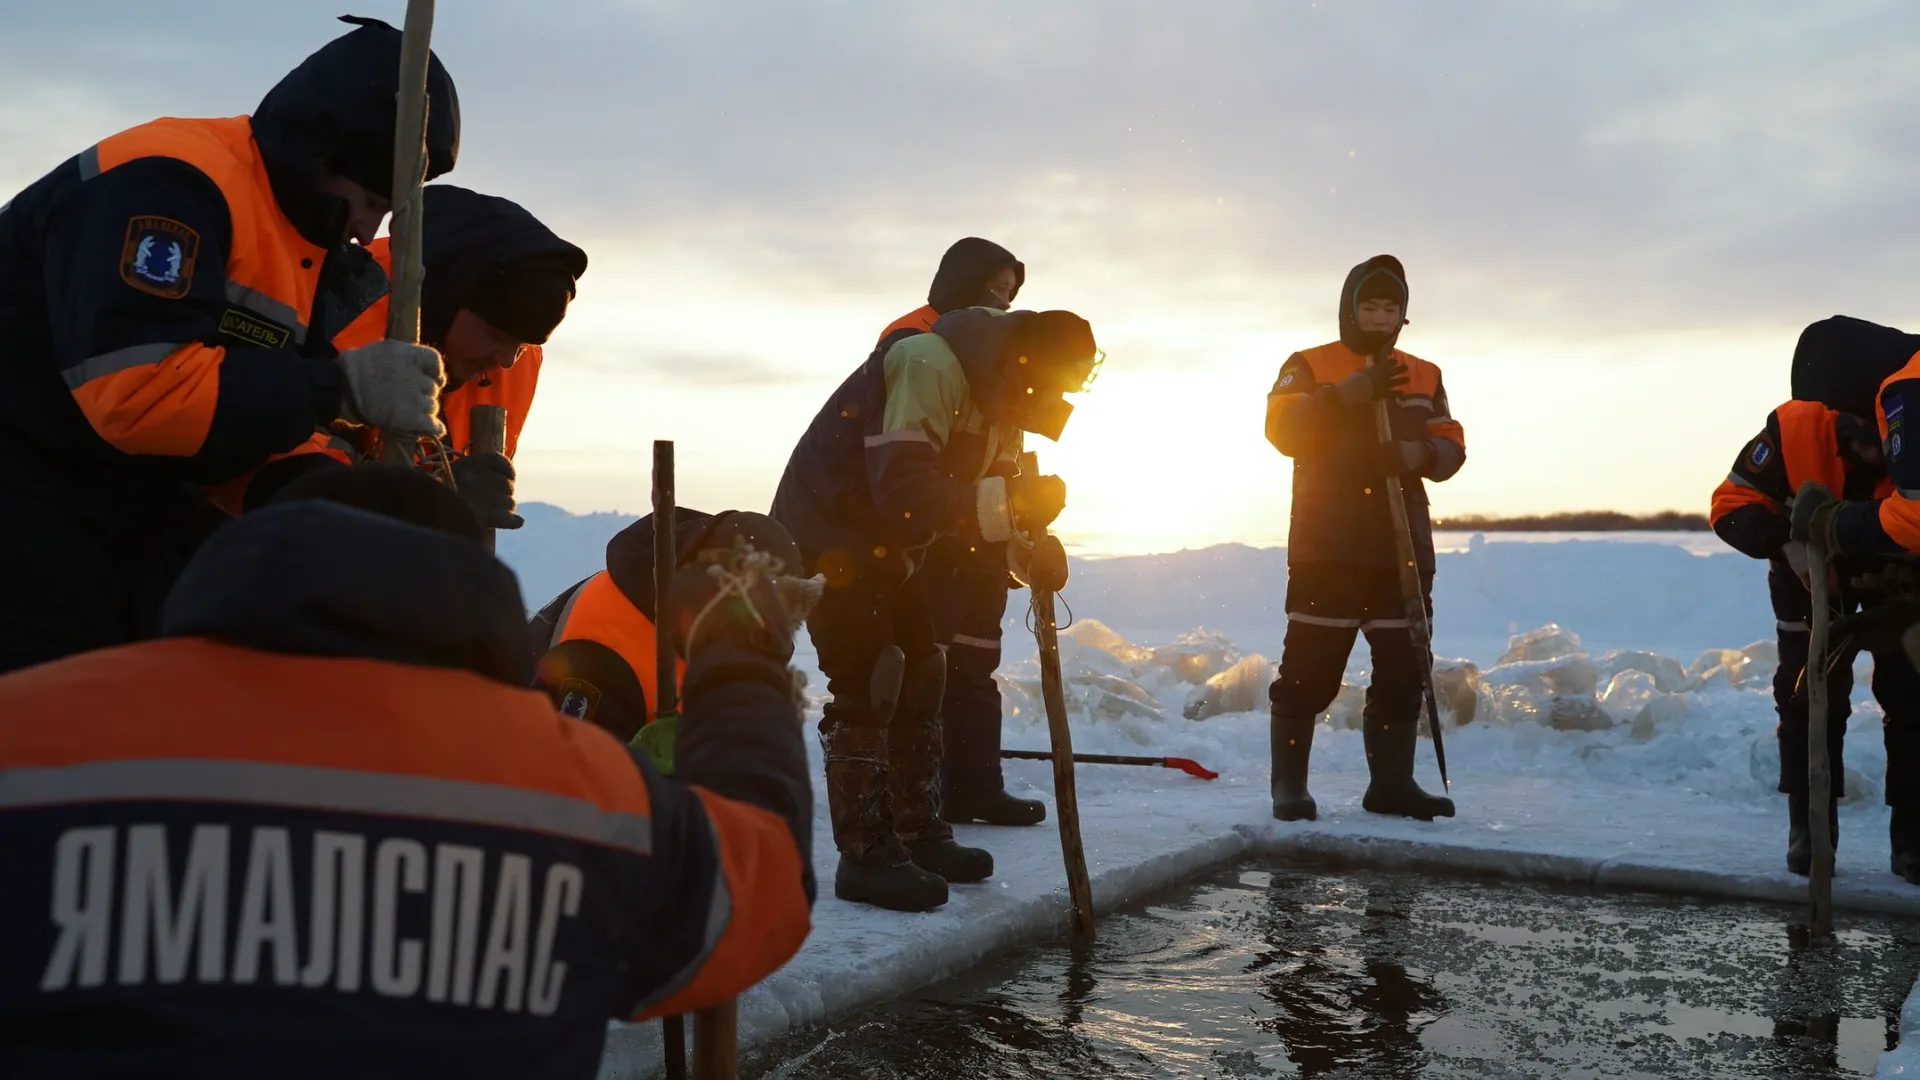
(1263, 971)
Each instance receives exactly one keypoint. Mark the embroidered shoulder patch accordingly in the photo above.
(579, 699)
(158, 256)
(1761, 452)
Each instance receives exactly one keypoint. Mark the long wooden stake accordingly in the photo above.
(487, 430)
(1413, 596)
(673, 1029)
(716, 1031)
(1819, 765)
(409, 173)
(1079, 888)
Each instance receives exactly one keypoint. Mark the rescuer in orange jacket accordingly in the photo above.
(498, 283)
(973, 273)
(967, 581)
(1342, 559)
(275, 842)
(1806, 441)
(168, 300)
(594, 645)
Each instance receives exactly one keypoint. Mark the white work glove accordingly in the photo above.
(394, 386)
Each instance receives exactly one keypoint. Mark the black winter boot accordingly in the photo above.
(954, 863)
(1291, 739)
(998, 808)
(1903, 830)
(898, 887)
(1391, 788)
(1800, 833)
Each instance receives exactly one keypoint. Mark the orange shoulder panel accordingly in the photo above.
(1909, 372)
(601, 613)
(195, 698)
(511, 388)
(1730, 496)
(1809, 445)
(921, 318)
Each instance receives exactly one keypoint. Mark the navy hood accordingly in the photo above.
(1350, 333)
(337, 109)
(965, 267)
(468, 236)
(630, 554)
(315, 578)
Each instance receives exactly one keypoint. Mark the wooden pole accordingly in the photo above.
(1079, 888)
(1819, 765)
(409, 173)
(673, 1029)
(1413, 596)
(716, 1037)
(487, 428)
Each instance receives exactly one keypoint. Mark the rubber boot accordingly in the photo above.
(998, 808)
(1291, 739)
(1800, 833)
(1390, 787)
(1903, 831)
(915, 760)
(875, 867)
(954, 863)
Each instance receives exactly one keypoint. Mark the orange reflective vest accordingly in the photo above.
(511, 388)
(601, 613)
(920, 320)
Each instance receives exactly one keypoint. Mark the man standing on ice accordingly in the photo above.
(1802, 441)
(1851, 526)
(1342, 573)
(904, 452)
(967, 579)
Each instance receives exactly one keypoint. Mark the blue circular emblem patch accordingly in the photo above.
(1761, 452)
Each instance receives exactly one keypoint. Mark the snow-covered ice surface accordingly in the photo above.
(1635, 751)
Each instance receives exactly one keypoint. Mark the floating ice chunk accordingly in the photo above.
(1094, 634)
(1576, 712)
(1764, 653)
(1196, 656)
(1240, 688)
(1456, 686)
(1570, 674)
(1668, 675)
(1112, 696)
(1547, 643)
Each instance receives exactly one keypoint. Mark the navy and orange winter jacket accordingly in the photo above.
(467, 236)
(1801, 442)
(964, 268)
(594, 646)
(1889, 524)
(160, 310)
(1340, 512)
(319, 830)
(909, 448)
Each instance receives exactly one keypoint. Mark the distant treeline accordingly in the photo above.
(1579, 521)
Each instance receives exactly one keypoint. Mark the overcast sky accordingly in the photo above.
(1615, 216)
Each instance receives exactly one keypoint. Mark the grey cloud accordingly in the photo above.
(1586, 165)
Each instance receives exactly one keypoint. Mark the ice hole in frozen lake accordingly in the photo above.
(1270, 970)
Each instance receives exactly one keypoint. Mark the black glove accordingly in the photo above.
(1036, 500)
(1816, 513)
(485, 481)
(740, 586)
(1403, 458)
(1382, 379)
